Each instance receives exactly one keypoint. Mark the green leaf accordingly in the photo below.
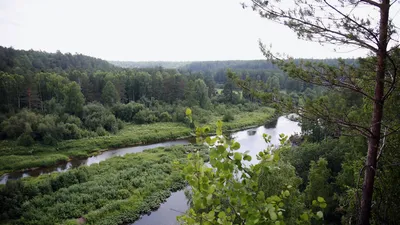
(188, 112)
(304, 217)
(321, 199)
(221, 215)
(219, 128)
(320, 214)
(212, 189)
(323, 205)
(247, 158)
(211, 215)
(286, 193)
(273, 215)
(237, 156)
(209, 198)
(314, 203)
(235, 146)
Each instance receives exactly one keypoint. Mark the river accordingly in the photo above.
(250, 139)
(86, 161)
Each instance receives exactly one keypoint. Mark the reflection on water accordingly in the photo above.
(271, 124)
(251, 132)
(250, 139)
(175, 205)
(254, 142)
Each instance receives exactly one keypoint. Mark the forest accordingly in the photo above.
(55, 112)
(343, 168)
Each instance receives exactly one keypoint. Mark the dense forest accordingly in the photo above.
(343, 168)
(82, 99)
(43, 108)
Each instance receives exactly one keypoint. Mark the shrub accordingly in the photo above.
(228, 116)
(165, 117)
(145, 116)
(49, 140)
(123, 111)
(25, 140)
(22, 122)
(96, 115)
(73, 120)
(110, 123)
(179, 114)
(93, 115)
(72, 131)
(101, 131)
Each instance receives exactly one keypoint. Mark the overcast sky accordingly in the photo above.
(141, 30)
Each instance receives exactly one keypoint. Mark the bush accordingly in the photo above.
(110, 124)
(96, 115)
(73, 120)
(101, 131)
(228, 116)
(22, 122)
(145, 116)
(165, 117)
(123, 111)
(71, 131)
(25, 140)
(179, 114)
(49, 140)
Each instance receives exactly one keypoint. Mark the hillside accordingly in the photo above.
(24, 62)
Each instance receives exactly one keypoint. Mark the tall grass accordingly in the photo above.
(14, 157)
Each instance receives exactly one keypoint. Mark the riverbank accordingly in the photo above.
(13, 157)
(114, 191)
(97, 194)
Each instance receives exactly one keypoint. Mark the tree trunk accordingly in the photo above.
(377, 114)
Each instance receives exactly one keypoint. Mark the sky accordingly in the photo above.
(151, 30)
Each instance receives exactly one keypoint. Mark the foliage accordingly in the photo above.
(228, 116)
(318, 182)
(165, 117)
(109, 94)
(115, 191)
(230, 191)
(74, 99)
(126, 112)
(373, 78)
(97, 116)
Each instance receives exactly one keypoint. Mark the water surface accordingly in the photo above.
(251, 140)
(61, 167)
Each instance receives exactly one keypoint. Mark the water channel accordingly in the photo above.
(249, 139)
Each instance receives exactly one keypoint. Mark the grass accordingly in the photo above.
(116, 191)
(14, 157)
